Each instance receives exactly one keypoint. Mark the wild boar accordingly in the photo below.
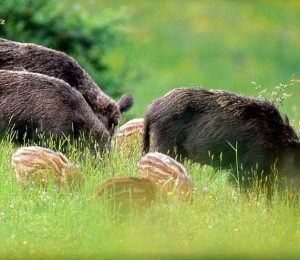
(35, 107)
(225, 130)
(34, 163)
(130, 135)
(125, 194)
(39, 59)
(133, 127)
(167, 174)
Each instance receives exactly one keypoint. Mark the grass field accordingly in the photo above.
(217, 44)
(220, 223)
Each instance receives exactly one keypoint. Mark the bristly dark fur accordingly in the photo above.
(38, 59)
(207, 125)
(32, 104)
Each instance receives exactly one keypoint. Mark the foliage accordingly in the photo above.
(74, 31)
(279, 94)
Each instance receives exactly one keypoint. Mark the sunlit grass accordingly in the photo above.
(220, 222)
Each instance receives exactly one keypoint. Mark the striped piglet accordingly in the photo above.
(167, 174)
(37, 163)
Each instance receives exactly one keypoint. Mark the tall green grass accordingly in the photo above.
(220, 222)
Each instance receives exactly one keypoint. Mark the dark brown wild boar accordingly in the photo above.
(35, 106)
(224, 130)
(38, 59)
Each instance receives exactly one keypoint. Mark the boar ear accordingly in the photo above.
(125, 102)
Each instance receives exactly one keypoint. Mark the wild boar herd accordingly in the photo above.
(46, 93)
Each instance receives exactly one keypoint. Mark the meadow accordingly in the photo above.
(217, 44)
(220, 222)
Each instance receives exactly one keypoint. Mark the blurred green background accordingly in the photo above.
(217, 44)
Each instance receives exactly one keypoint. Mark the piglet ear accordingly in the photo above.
(125, 102)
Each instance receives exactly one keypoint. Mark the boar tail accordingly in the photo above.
(146, 136)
